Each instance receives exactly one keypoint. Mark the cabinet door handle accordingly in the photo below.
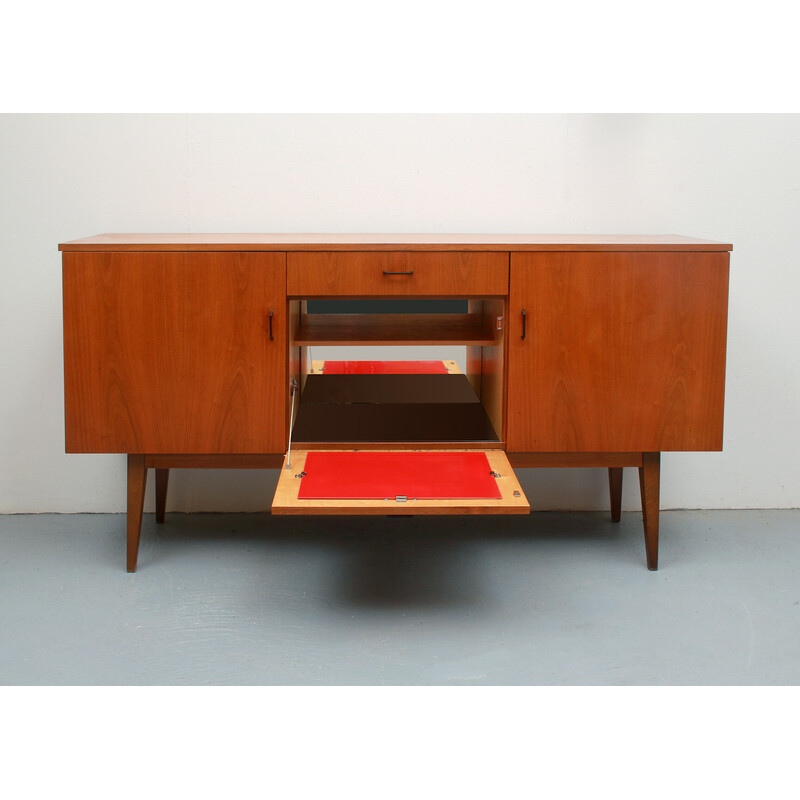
(270, 325)
(410, 272)
(524, 322)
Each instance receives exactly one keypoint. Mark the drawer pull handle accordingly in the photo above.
(524, 322)
(270, 325)
(410, 272)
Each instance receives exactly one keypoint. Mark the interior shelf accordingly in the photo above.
(392, 329)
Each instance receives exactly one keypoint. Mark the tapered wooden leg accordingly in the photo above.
(137, 480)
(615, 490)
(162, 480)
(649, 480)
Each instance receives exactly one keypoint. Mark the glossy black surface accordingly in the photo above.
(391, 408)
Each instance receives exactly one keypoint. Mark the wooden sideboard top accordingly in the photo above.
(139, 242)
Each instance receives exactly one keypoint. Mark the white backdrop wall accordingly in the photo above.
(734, 178)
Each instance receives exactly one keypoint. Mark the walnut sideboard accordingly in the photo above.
(194, 351)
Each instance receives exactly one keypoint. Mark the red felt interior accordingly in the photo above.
(384, 367)
(368, 475)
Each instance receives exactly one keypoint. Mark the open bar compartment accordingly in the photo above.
(447, 411)
(378, 410)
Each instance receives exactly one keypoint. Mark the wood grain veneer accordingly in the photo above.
(623, 352)
(171, 353)
(386, 241)
(551, 460)
(396, 273)
(486, 364)
(180, 347)
(392, 329)
(214, 461)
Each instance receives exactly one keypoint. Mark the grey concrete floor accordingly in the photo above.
(553, 598)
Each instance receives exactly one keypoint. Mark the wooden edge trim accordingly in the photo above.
(467, 295)
(214, 461)
(275, 460)
(534, 460)
(461, 445)
(488, 247)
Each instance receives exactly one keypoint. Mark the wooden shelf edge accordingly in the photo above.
(387, 445)
(318, 341)
(392, 329)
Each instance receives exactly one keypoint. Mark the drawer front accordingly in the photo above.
(364, 274)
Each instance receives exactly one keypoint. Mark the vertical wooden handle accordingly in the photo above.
(524, 322)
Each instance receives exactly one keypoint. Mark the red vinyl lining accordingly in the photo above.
(384, 368)
(366, 475)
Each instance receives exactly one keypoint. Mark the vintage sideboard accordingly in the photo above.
(196, 351)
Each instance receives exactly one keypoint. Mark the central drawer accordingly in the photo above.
(365, 274)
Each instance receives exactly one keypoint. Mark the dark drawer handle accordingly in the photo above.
(524, 322)
(410, 272)
(270, 325)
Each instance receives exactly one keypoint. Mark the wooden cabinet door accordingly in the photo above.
(622, 351)
(174, 353)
